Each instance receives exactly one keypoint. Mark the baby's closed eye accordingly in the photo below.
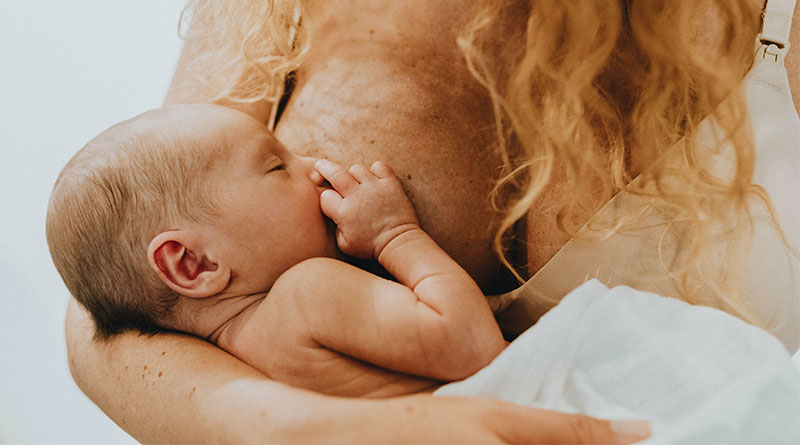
(274, 163)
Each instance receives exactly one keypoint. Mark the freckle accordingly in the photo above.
(142, 376)
(408, 176)
(160, 373)
(409, 409)
(145, 366)
(372, 141)
(164, 353)
(126, 366)
(372, 31)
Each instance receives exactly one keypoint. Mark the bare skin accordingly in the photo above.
(175, 388)
(430, 108)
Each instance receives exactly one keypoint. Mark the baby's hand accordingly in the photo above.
(368, 206)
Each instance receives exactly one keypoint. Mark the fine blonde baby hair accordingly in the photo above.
(119, 191)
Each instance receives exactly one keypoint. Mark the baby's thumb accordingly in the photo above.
(329, 202)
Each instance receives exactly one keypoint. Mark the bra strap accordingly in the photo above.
(777, 22)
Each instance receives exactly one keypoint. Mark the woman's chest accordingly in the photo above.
(390, 83)
(374, 89)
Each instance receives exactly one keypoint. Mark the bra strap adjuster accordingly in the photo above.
(770, 51)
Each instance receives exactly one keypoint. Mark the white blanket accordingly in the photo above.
(698, 374)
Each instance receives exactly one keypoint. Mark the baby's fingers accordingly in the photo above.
(361, 173)
(329, 202)
(339, 178)
(381, 170)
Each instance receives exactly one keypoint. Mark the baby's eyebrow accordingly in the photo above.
(266, 143)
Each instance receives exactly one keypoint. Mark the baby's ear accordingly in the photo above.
(183, 266)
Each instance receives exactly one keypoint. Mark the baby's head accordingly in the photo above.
(181, 205)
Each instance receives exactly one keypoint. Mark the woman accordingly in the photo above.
(511, 122)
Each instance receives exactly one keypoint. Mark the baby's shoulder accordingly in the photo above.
(314, 266)
(314, 272)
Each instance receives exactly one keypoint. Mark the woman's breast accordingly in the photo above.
(372, 90)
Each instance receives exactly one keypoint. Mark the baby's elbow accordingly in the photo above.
(461, 355)
(454, 367)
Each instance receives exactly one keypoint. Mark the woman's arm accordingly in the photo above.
(174, 388)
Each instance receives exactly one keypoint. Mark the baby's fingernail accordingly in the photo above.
(638, 428)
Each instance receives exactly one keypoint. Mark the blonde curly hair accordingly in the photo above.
(595, 94)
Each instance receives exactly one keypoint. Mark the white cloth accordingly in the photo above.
(698, 374)
(797, 360)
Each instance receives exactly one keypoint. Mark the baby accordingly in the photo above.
(196, 219)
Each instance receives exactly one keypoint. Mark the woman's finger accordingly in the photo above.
(339, 178)
(486, 420)
(555, 427)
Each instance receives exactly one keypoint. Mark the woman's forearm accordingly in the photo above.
(178, 389)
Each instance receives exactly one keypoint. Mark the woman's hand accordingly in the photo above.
(428, 419)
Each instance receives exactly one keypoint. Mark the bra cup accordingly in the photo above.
(771, 285)
(773, 278)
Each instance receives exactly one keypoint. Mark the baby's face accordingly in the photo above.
(269, 204)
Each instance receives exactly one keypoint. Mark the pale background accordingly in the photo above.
(68, 70)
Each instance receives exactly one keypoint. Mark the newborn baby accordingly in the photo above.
(196, 219)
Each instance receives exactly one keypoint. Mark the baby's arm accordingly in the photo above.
(440, 314)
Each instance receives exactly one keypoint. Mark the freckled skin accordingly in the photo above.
(366, 96)
(408, 90)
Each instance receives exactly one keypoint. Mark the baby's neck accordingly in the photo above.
(226, 330)
(214, 317)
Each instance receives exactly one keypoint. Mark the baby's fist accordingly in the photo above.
(368, 206)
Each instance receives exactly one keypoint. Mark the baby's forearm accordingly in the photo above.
(439, 320)
(471, 334)
(415, 260)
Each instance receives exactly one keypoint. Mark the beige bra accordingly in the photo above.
(771, 285)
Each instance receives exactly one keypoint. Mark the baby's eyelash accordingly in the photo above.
(275, 163)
